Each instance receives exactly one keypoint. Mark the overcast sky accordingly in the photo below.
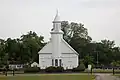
(100, 17)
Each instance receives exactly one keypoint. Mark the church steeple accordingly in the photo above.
(57, 24)
(57, 17)
(56, 37)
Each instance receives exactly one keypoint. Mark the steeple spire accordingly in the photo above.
(57, 17)
(57, 24)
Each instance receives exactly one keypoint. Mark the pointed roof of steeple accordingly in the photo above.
(57, 17)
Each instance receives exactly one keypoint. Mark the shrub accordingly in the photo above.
(32, 70)
(59, 69)
(26, 66)
(42, 70)
(52, 69)
(2, 69)
(81, 67)
(68, 70)
(20, 69)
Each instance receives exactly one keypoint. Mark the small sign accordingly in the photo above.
(89, 67)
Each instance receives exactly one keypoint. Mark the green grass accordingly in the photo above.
(104, 71)
(50, 77)
(117, 75)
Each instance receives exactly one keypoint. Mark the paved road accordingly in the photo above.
(106, 77)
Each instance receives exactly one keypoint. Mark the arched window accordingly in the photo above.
(56, 62)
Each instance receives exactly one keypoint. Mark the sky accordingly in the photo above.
(100, 17)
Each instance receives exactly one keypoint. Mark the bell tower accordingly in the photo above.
(56, 36)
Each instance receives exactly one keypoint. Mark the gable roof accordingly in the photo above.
(65, 48)
(47, 48)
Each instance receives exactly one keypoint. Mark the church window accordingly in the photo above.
(60, 62)
(52, 62)
(56, 62)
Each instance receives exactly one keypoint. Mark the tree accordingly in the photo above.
(74, 30)
(21, 50)
(2, 52)
(31, 44)
(88, 60)
(76, 35)
(12, 49)
(114, 63)
(108, 43)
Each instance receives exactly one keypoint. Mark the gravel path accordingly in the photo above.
(106, 77)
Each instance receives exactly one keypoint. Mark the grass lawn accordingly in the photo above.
(49, 77)
(104, 71)
(117, 75)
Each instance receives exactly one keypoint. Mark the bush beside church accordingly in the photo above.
(32, 70)
(52, 69)
(80, 68)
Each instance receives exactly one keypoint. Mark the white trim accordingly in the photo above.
(45, 53)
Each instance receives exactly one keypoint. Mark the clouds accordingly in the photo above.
(100, 3)
(101, 17)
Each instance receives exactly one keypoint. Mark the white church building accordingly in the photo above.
(57, 52)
